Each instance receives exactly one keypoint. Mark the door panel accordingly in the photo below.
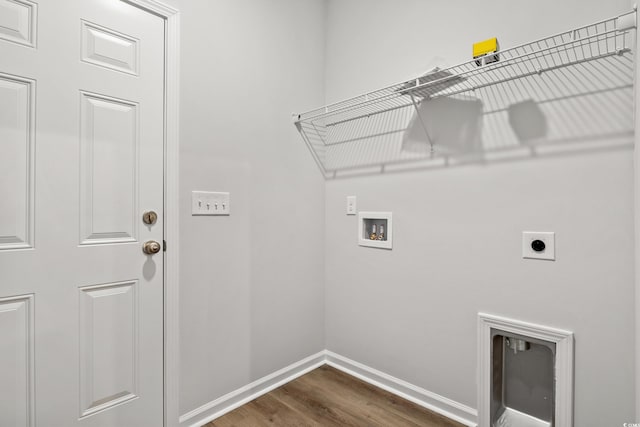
(18, 21)
(16, 162)
(81, 159)
(16, 361)
(108, 345)
(108, 48)
(109, 148)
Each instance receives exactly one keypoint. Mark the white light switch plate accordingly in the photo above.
(351, 205)
(549, 239)
(210, 203)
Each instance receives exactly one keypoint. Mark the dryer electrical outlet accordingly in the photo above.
(210, 203)
(539, 245)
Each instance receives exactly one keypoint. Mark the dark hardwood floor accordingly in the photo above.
(329, 397)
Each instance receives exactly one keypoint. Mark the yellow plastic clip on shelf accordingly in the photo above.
(485, 49)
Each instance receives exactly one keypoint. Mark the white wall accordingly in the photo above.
(251, 298)
(253, 284)
(411, 312)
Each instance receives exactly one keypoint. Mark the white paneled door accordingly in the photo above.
(81, 160)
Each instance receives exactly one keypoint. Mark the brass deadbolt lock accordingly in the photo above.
(151, 247)
(149, 217)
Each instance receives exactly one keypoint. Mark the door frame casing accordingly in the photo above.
(636, 210)
(171, 17)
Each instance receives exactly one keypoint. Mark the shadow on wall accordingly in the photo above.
(569, 110)
(527, 121)
(452, 124)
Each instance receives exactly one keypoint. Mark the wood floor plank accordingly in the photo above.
(360, 391)
(327, 397)
(317, 405)
(351, 401)
(377, 404)
(238, 418)
(271, 410)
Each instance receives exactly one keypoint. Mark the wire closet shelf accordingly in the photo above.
(346, 121)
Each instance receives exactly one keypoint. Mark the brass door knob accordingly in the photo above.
(149, 217)
(151, 247)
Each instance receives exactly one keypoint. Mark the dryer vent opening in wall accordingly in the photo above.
(526, 374)
(522, 387)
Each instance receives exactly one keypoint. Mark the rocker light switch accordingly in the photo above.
(210, 203)
(351, 205)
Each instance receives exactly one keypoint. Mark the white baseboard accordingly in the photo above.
(230, 401)
(432, 401)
